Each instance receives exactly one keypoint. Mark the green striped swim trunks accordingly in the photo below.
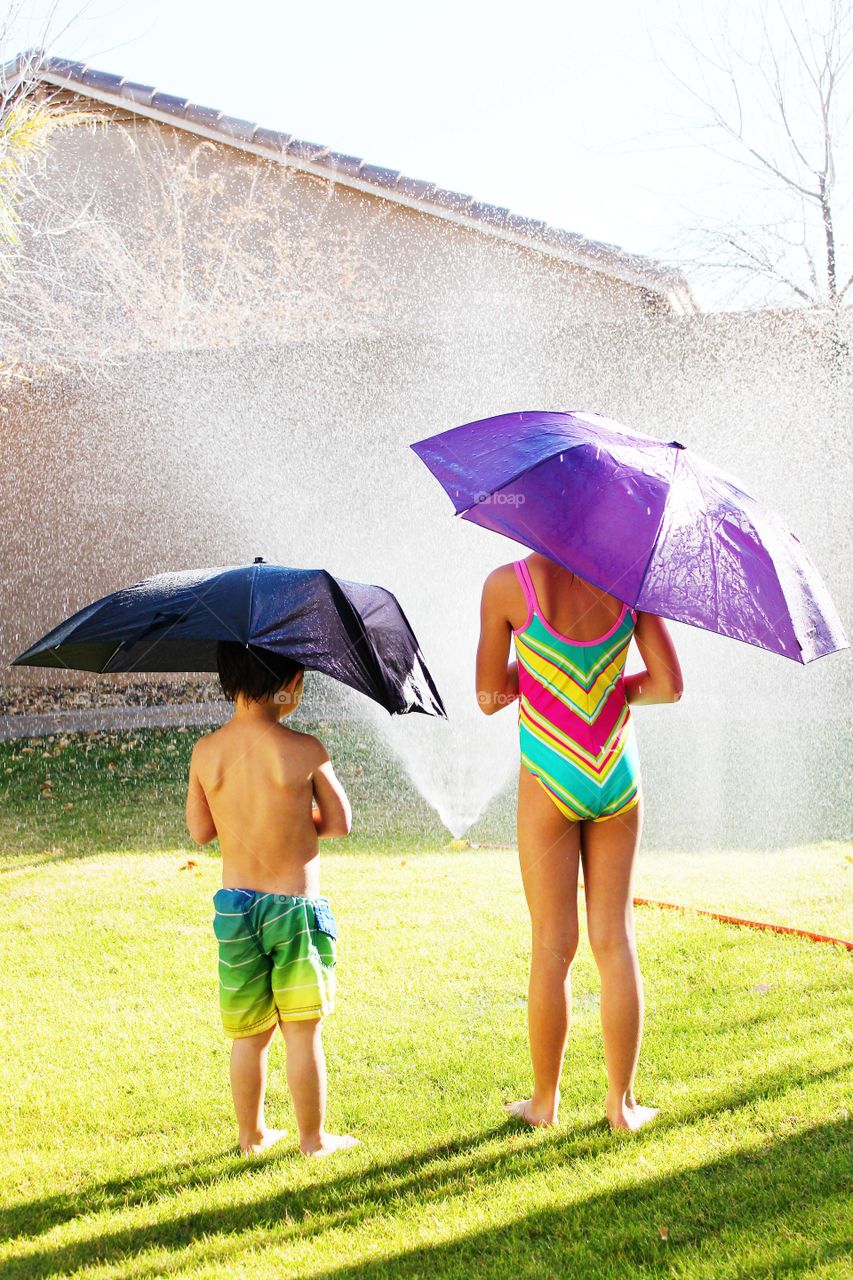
(276, 959)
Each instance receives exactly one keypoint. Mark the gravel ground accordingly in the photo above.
(117, 703)
(28, 724)
(106, 691)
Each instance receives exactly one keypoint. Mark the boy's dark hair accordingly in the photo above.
(255, 672)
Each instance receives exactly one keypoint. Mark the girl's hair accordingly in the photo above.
(255, 672)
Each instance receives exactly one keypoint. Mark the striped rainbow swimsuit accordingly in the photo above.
(575, 727)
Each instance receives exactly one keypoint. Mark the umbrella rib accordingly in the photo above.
(368, 656)
(171, 626)
(521, 474)
(431, 685)
(713, 553)
(773, 623)
(675, 463)
(103, 670)
(44, 643)
(541, 461)
(252, 598)
(55, 650)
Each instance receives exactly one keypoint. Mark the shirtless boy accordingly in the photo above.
(270, 794)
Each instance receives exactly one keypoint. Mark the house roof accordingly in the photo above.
(351, 171)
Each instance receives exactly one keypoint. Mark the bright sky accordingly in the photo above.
(559, 110)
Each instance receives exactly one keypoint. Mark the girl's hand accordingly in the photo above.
(662, 680)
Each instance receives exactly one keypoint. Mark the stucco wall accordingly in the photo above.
(138, 236)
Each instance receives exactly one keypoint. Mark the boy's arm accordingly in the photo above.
(199, 818)
(332, 813)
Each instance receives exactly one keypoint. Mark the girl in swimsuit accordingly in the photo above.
(579, 801)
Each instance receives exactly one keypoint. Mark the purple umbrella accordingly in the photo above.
(646, 521)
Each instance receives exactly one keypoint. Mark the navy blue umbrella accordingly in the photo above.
(356, 633)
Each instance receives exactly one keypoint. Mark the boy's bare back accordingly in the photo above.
(258, 782)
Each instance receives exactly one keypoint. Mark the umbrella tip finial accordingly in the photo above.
(259, 560)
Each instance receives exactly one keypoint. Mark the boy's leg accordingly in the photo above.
(248, 1086)
(306, 1079)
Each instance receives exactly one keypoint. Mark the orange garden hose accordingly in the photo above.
(726, 919)
(751, 924)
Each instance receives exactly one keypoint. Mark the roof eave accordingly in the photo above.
(610, 263)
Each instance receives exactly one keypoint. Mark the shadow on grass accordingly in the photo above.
(747, 1198)
(436, 1174)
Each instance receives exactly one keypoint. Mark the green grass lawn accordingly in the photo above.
(119, 1139)
(79, 794)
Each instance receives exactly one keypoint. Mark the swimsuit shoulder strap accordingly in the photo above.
(523, 575)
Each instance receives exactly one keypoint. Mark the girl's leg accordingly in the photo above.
(609, 849)
(248, 1087)
(549, 850)
(306, 1080)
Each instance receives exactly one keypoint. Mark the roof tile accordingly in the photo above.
(349, 165)
(270, 138)
(101, 80)
(304, 150)
(527, 226)
(595, 248)
(450, 199)
(63, 67)
(141, 93)
(234, 127)
(487, 212)
(169, 104)
(378, 175)
(208, 117)
(415, 188)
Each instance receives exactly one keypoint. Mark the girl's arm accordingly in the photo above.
(200, 822)
(497, 677)
(661, 681)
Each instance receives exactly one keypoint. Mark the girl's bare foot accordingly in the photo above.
(627, 1114)
(328, 1143)
(536, 1117)
(256, 1144)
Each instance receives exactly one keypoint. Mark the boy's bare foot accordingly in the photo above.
(328, 1143)
(627, 1114)
(256, 1145)
(536, 1118)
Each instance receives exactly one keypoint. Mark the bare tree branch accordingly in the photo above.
(780, 105)
(215, 250)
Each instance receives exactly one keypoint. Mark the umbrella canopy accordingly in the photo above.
(646, 521)
(356, 633)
